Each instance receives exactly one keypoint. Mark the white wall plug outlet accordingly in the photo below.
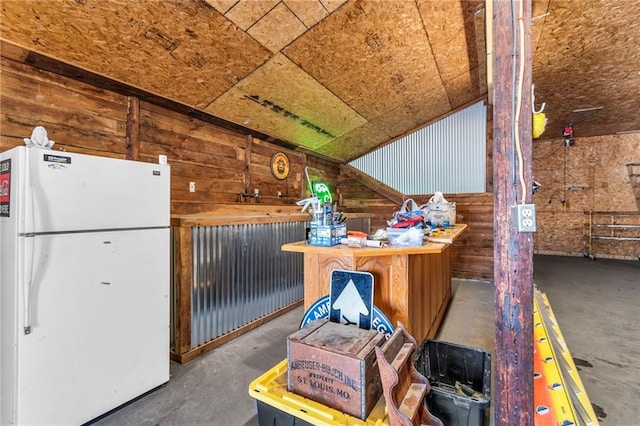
(524, 217)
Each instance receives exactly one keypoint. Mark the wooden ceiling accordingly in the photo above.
(334, 77)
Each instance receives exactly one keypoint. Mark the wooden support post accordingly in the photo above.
(489, 163)
(133, 128)
(247, 166)
(513, 251)
(182, 290)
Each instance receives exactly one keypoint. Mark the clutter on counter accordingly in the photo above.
(328, 226)
(439, 212)
(412, 225)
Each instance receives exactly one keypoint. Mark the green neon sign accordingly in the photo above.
(321, 190)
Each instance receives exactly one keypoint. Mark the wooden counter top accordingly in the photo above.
(447, 235)
(437, 242)
(342, 249)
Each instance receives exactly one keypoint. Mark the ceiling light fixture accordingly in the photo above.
(587, 109)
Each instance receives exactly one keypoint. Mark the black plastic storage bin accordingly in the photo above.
(271, 416)
(444, 364)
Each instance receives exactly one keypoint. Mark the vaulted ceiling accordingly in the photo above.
(336, 77)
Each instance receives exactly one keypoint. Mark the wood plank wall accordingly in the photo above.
(223, 164)
(78, 117)
(589, 175)
(356, 197)
(472, 255)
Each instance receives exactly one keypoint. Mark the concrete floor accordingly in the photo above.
(596, 304)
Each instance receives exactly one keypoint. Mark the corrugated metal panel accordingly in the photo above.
(240, 274)
(447, 156)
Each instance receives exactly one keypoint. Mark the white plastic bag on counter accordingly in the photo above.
(438, 210)
(409, 212)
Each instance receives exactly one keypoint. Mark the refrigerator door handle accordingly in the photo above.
(30, 195)
(29, 245)
(27, 273)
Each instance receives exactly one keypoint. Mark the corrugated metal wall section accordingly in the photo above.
(447, 156)
(240, 274)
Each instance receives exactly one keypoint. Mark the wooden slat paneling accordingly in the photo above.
(77, 116)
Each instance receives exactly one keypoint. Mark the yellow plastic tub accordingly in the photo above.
(270, 390)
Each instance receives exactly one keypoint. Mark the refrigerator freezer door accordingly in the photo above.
(76, 192)
(11, 250)
(100, 325)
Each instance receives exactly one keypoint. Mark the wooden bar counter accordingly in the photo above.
(411, 284)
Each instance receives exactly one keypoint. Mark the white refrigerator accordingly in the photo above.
(84, 291)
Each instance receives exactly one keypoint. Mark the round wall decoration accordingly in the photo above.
(280, 165)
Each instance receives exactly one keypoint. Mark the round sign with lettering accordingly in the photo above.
(320, 310)
(280, 165)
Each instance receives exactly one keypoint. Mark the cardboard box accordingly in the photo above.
(327, 235)
(333, 364)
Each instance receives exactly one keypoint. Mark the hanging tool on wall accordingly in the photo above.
(567, 134)
(539, 121)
